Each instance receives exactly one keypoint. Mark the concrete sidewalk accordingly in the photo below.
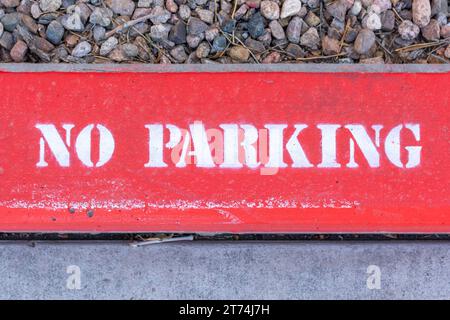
(226, 270)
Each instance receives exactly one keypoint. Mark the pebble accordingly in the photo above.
(203, 50)
(421, 12)
(255, 45)
(121, 7)
(130, 50)
(10, 3)
(10, 21)
(387, 20)
(99, 33)
(219, 44)
(372, 21)
(330, 46)
(160, 31)
(431, 31)
(6, 40)
(193, 40)
(55, 32)
(277, 30)
(364, 41)
(356, 8)
(49, 5)
(294, 29)
(337, 9)
(72, 22)
(295, 51)
(273, 57)
(101, 16)
(109, 45)
(310, 39)
(408, 30)
(205, 15)
(178, 33)
(159, 15)
(445, 31)
(19, 51)
(270, 10)
(383, 5)
(196, 26)
(179, 54)
(312, 19)
(255, 26)
(172, 6)
(290, 8)
(184, 11)
(239, 53)
(35, 11)
(82, 49)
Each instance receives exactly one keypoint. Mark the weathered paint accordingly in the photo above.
(109, 183)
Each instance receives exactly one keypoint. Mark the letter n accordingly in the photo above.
(57, 146)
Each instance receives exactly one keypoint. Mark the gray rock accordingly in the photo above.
(121, 7)
(179, 54)
(159, 15)
(49, 5)
(310, 39)
(290, 8)
(205, 15)
(277, 30)
(101, 16)
(408, 30)
(99, 33)
(196, 26)
(178, 33)
(270, 10)
(72, 22)
(255, 45)
(10, 21)
(130, 50)
(82, 49)
(194, 40)
(294, 29)
(184, 11)
(219, 44)
(421, 12)
(55, 32)
(337, 9)
(7, 40)
(160, 31)
(364, 41)
(431, 31)
(388, 20)
(295, 51)
(255, 26)
(203, 50)
(109, 45)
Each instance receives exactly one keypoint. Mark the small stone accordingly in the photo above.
(374, 60)
(71, 40)
(10, 3)
(19, 51)
(356, 8)
(364, 41)
(205, 15)
(431, 31)
(270, 10)
(383, 5)
(178, 33)
(255, 45)
(49, 5)
(255, 26)
(184, 12)
(179, 54)
(109, 45)
(211, 33)
(310, 39)
(241, 11)
(229, 26)
(408, 30)
(312, 20)
(6, 40)
(159, 15)
(121, 7)
(72, 22)
(194, 40)
(337, 9)
(117, 55)
(30, 23)
(239, 53)
(196, 26)
(43, 44)
(55, 32)
(219, 44)
(101, 16)
(387, 20)
(10, 21)
(160, 31)
(295, 51)
(290, 8)
(421, 12)
(330, 46)
(294, 29)
(203, 50)
(172, 6)
(447, 52)
(372, 21)
(82, 49)
(99, 33)
(445, 31)
(277, 30)
(273, 57)
(35, 11)
(130, 50)
(144, 3)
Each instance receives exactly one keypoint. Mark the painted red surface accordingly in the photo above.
(123, 195)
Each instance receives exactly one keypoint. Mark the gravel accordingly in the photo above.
(225, 31)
